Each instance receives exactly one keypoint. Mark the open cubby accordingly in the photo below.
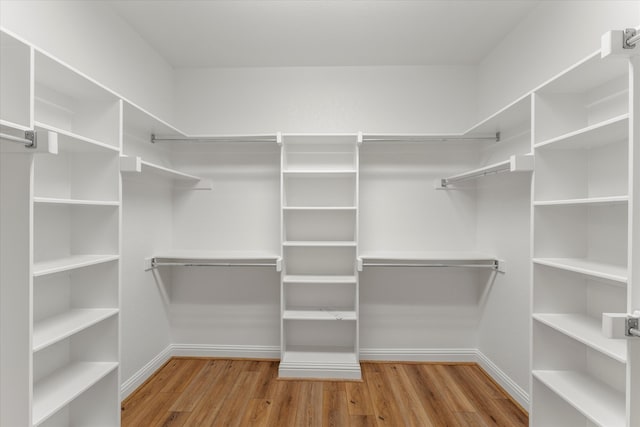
(66, 230)
(71, 102)
(78, 176)
(320, 191)
(335, 296)
(320, 225)
(334, 261)
(319, 153)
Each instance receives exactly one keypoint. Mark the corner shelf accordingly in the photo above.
(586, 267)
(516, 163)
(56, 391)
(133, 165)
(595, 400)
(56, 328)
(587, 330)
(71, 262)
(607, 131)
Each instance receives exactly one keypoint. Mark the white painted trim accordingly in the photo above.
(207, 350)
(510, 386)
(420, 354)
(136, 380)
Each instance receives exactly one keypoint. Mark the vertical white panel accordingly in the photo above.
(633, 358)
(16, 256)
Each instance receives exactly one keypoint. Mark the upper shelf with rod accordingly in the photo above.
(516, 163)
(191, 258)
(431, 259)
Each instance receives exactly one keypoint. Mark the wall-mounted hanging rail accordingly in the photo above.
(276, 138)
(431, 260)
(425, 138)
(30, 139)
(519, 163)
(204, 259)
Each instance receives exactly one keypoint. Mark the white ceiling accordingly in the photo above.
(255, 33)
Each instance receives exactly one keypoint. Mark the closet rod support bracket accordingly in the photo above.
(632, 325)
(500, 266)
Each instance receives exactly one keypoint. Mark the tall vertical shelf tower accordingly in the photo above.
(319, 293)
(581, 244)
(61, 272)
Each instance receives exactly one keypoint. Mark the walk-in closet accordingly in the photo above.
(322, 213)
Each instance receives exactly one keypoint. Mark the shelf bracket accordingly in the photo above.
(279, 138)
(360, 138)
(632, 325)
(621, 325)
(500, 266)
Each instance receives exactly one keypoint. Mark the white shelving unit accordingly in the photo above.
(76, 246)
(581, 244)
(319, 290)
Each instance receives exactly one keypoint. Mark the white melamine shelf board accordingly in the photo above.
(319, 354)
(320, 244)
(587, 267)
(608, 200)
(587, 330)
(319, 138)
(80, 202)
(71, 262)
(56, 328)
(137, 165)
(317, 279)
(320, 172)
(426, 256)
(318, 314)
(167, 172)
(585, 75)
(607, 131)
(13, 126)
(597, 401)
(319, 208)
(217, 255)
(57, 390)
(74, 143)
(140, 120)
(511, 116)
(64, 79)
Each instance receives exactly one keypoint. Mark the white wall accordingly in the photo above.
(325, 99)
(88, 36)
(554, 36)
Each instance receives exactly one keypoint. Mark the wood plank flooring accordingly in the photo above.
(219, 392)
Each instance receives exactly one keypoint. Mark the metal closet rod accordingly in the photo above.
(448, 181)
(250, 138)
(155, 264)
(426, 138)
(493, 266)
(30, 139)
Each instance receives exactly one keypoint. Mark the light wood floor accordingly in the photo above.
(216, 392)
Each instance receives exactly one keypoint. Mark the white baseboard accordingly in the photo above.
(145, 372)
(243, 351)
(517, 393)
(420, 354)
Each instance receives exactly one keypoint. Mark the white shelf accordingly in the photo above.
(608, 131)
(81, 202)
(587, 330)
(320, 244)
(426, 256)
(73, 143)
(70, 263)
(51, 330)
(595, 400)
(514, 114)
(218, 255)
(516, 163)
(311, 279)
(587, 267)
(318, 314)
(609, 200)
(319, 208)
(134, 165)
(314, 172)
(56, 391)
